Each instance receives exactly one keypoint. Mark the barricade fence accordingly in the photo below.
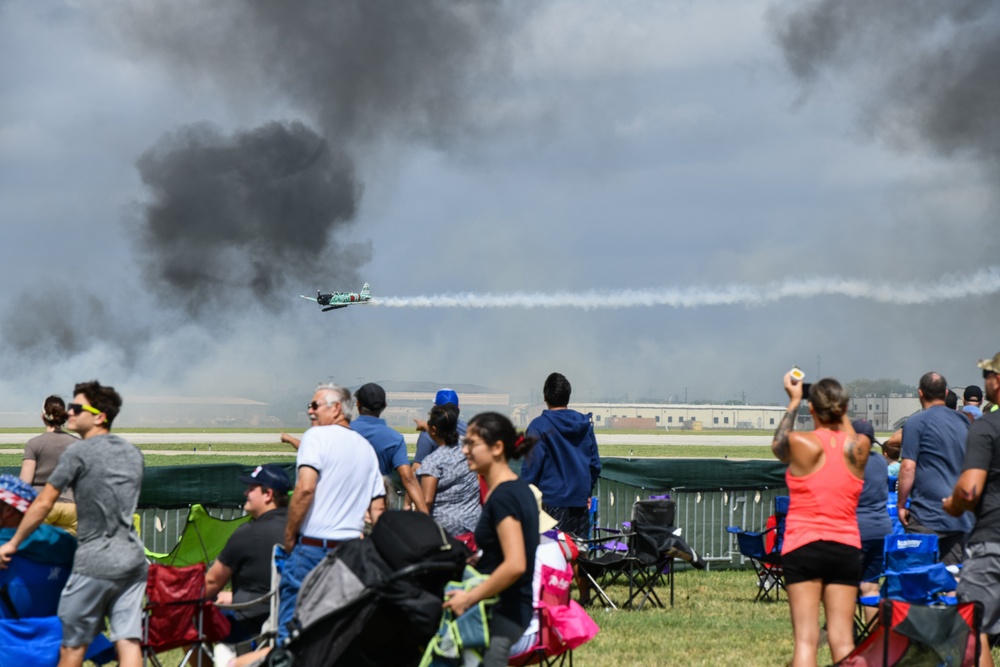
(711, 494)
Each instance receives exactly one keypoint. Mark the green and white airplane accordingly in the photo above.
(340, 299)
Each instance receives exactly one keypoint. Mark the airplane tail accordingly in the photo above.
(364, 291)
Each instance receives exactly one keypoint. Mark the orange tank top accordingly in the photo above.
(823, 504)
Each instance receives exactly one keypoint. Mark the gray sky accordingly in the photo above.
(174, 177)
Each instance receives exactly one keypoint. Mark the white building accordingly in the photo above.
(884, 412)
(669, 416)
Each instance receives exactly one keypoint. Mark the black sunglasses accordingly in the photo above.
(987, 374)
(77, 408)
(316, 405)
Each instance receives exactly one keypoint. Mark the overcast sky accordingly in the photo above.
(174, 175)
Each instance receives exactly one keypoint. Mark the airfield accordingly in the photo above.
(145, 438)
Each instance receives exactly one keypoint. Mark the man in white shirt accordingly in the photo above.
(338, 482)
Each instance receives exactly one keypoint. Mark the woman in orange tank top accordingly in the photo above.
(821, 554)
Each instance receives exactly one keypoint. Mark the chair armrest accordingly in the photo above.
(249, 603)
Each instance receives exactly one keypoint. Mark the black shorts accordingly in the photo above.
(831, 562)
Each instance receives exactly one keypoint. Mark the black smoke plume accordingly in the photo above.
(927, 69)
(247, 215)
(237, 216)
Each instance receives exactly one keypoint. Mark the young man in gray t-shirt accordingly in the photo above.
(109, 570)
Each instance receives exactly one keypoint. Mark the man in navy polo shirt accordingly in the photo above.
(388, 443)
(933, 451)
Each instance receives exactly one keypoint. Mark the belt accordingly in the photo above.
(318, 542)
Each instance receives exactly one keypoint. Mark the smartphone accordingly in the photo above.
(806, 386)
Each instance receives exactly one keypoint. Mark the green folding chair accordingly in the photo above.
(201, 541)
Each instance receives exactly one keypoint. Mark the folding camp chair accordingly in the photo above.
(563, 625)
(766, 563)
(177, 613)
(29, 589)
(30, 631)
(763, 550)
(912, 634)
(201, 541)
(269, 630)
(910, 573)
(651, 547)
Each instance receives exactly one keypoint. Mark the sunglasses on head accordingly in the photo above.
(77, 408)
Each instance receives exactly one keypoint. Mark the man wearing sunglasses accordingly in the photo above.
(338, 483)
(978, 491)
(109, 568)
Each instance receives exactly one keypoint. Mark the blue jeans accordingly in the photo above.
(300, 562)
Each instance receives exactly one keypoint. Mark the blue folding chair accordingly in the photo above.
(912, 572)
(34, 642)
(29, 589)
(763, 550)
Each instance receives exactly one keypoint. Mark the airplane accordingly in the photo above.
(340, 299)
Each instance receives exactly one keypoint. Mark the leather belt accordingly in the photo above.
(318, 542)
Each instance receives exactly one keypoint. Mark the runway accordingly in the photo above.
(195, 438)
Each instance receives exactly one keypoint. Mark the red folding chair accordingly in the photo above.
(177, 613)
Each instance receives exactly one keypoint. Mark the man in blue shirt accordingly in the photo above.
(388, 443)
(933, 452)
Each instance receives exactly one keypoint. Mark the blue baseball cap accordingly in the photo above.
(270, 476)
(446, 396)
(864, 427)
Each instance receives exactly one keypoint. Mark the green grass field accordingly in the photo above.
(714, 622)
(10, 455)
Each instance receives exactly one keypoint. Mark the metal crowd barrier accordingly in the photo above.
(160, 529)
(702, 515)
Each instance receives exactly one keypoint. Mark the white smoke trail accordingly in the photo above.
(949, 288)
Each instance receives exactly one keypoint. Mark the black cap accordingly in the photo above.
(371, 397)
(270, 476)
(973, 393)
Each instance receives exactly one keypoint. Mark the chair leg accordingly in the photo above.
(595, 588)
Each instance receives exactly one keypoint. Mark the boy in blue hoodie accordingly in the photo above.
(564, 464)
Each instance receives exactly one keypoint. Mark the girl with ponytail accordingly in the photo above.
(507, 533)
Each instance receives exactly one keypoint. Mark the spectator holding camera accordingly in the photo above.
(821, 554)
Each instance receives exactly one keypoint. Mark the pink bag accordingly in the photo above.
(571, 624)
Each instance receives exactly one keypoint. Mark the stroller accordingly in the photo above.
(394, 579)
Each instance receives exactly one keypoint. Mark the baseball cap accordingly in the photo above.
(991, 365)
(972, 393)
(271, 476)
(446, 396)
(16, 492)
(371, 396)
(864, 427)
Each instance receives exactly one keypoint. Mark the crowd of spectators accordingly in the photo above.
(945, 461)
(76, 496)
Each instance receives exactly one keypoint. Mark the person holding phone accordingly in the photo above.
(821, 554)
